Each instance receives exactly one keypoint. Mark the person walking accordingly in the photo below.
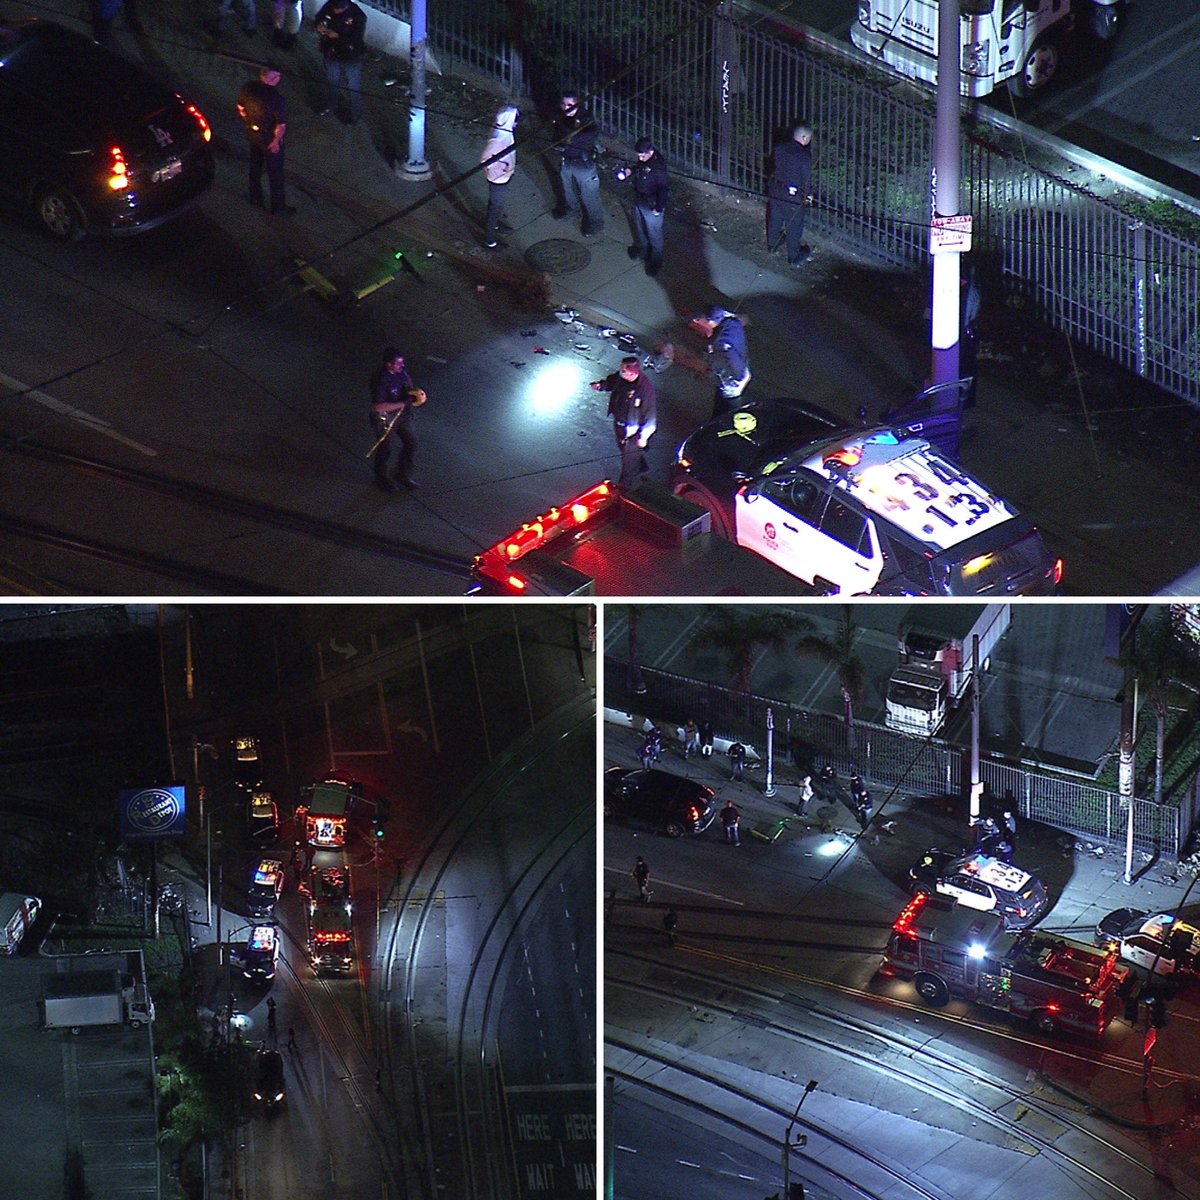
(647, 752)
(632, 404)
(271, 1029)
(341, 29)
(691, 739)
(731, 819)
(291, 1042)
(788, 193)
(805, 797)
(499, 160)
(576, 134)
(264, 113)
(671, 924)
(650, 187)
(737, 760)
(861, 799)
(394, 396)
(827, 784)
(706, 739)
(728, 355)
(641, 875)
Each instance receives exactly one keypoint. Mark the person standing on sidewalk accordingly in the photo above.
(731, 819)
(650, 187)
(691, 739)
(641, 875)
(861, 800)
(737, 759)
(728, 355)
(286, 17)
(500, 161)
(394, 396)
(706, 739)
(805, 797)
(342, 28)
(788, 193)
(633, 406)
(576, 134)
(262, 109)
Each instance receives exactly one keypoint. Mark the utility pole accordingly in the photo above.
(416, 169)
(976, 782)
(949, 234)
(769, 789)
(789, 1145)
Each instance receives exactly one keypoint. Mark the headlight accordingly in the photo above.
(976, 58)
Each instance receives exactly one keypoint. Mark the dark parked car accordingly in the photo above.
(91, 142)
(269, 1088)
(979, 881)
(667, 803)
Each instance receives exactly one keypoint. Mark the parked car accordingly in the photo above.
(980, 881)
(247, 763)
(1157, 942)
(269, 1088)
(90, 141)
(262, 816)
(666, 803)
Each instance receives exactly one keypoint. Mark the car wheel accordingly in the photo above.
(932, 989)
(673, 829)
(1040, 68)
(1044, 1022)
(60, 216)
(719, 521)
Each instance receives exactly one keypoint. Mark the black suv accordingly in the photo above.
(90, 141)
(269, 1088)
(666, 803)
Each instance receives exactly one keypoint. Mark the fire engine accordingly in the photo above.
(1053, 982)
(1015, 42)
(325, 810)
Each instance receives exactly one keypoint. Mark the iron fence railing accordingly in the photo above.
(715, 85)
(887, 758)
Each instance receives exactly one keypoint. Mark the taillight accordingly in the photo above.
(1059, 570)
(202, 121)
(118, 173)
(516, 583)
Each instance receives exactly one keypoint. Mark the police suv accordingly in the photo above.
(982, 882)
(877, 511)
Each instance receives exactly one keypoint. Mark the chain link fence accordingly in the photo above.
(918, 766)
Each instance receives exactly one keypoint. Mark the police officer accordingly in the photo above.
(861, 799)
(650, 186)
(788, 193)
(264, 112)
(576, 134)
(632, 404)
(728, 356)
(737, 760)
(393, 398)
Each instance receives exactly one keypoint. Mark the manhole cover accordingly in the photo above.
(558, 256)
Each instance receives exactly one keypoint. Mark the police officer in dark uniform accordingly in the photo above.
(576, 134)
(264, 112)
(650, 185)
(728, 356)
(788, 193)
(393, 398)
(632, 404)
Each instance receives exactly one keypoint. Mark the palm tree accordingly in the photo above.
(742, 635)
(837, 651)
(1167, 673)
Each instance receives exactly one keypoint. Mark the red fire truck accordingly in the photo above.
(1053, 982)
(325, 810)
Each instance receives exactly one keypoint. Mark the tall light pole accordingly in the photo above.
(769, 789)
(789, 1145)
(416, 169)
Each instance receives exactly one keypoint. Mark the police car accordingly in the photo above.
(1157, 942)
(877, 511)
(261, 954)
(980, 881)
(266, 884)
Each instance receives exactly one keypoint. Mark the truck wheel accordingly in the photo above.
(932, 989)
(135, 1023)
(1040, 67)
(720, 525)
(74, 1030)
(1105, 21)
(1044, 1022)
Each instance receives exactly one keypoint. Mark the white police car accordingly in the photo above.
(872, 511)
(266, 885)
(261, 954)
(1158, 942)
(980, 881)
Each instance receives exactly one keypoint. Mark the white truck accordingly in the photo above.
(935, 647)
(1015, 42)
(88, 998)
(17, 914)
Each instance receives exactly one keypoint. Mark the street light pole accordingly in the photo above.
(416, 169)
(789, 1145)
(769, 790)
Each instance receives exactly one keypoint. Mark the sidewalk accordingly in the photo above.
(1108, 1083)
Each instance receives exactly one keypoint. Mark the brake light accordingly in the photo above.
(201, 120)
(517, 583)
(905, 921)
(1059, 571)
(118, 172)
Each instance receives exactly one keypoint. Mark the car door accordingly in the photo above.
(970, 893)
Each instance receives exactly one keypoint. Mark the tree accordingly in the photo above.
(837, 651)
(743, 635)
(1167, 673)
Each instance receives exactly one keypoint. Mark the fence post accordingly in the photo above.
(725, 56)
(1139, 295)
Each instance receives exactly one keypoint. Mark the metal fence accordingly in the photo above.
(918, 766)
(715, 87)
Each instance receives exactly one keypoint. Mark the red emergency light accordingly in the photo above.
(326, 939)
(495, 563)
(908, 916)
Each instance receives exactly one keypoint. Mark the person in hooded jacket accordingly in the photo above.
(728, 356)
(499, 170)
(650, 185)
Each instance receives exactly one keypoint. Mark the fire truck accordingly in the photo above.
(1015, 42)
(325, 810)
(1052, 982)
